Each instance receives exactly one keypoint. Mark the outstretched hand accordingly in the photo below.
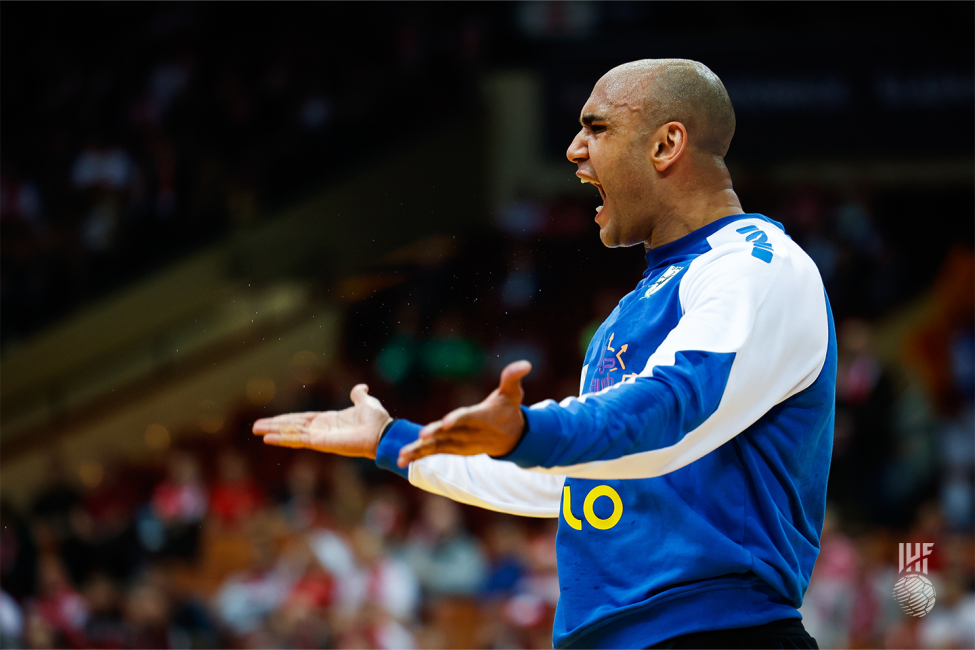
(354, 431)
(493, 427)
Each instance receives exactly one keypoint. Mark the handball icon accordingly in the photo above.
(915, 594)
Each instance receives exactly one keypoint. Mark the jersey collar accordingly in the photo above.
(695, 242)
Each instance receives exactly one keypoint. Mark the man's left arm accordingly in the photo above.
(753, 333)
(478, 480)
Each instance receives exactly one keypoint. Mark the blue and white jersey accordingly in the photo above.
(690, 474)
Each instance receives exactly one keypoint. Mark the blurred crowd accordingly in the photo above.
(144, 142)
(157, 129)
(213, 554)
(218, 540)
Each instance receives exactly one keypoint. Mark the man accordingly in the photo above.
(690, 475)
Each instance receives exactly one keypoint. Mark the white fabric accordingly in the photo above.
(489, 483)
(773, 316)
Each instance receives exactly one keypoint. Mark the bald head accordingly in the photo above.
(653, 138)
(678, 90)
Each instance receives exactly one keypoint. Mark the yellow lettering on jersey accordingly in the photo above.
(567, 509)
(594, 521)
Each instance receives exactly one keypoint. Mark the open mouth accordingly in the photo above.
(602, 192)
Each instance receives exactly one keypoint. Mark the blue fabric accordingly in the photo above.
(723, 602)
(727, 541)
(402, 433)
(653, 413)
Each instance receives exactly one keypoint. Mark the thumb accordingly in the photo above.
(359, 394)
(511, 379)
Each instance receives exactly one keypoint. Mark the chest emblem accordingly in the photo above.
(664, 278)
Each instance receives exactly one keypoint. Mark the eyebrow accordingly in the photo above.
(589, 118)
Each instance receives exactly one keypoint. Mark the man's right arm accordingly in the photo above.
(479, 481)
(365, 429)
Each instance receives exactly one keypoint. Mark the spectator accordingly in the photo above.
(866, 445)
(507, 546)
(828, 603)
(61, 609)
(11, 622)
(247, 598)
(147, 611)
(105, 627)
(236, 496)
(446, 559)
(951, 624)
(102, 166)
(300, 502)
(20, 201)
(179, 504)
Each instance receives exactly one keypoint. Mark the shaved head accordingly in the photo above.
(653, 138)
(678, 90)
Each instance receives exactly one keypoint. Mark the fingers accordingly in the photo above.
(422, 448)
(273, 425)
(430, 429)
(452, 419)
(411, 452)
(459, 440)
(457, 416)
(294, 440)
(359, 394)
(511, 376)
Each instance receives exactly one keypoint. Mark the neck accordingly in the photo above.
(696, 209)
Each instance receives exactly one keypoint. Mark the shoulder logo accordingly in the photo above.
(662, 280)
(762, 249)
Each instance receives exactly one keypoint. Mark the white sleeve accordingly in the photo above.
(753, 333)
(489, 483)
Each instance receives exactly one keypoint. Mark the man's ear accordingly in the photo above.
(667, 145)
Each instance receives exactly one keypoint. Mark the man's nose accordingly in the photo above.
(577, 151)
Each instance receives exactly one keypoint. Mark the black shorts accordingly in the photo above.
(787, 633)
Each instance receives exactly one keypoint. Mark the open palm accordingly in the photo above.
(493, 427)
(354, 431)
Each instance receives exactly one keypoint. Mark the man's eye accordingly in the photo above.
(597, 128)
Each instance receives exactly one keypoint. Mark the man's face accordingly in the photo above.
(610, 151)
